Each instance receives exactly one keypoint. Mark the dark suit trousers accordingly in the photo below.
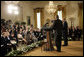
(58, 42)
(65, 38)
(3, 51)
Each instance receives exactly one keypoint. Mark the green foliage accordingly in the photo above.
(69, 39)
(24, 50)
(14, 53)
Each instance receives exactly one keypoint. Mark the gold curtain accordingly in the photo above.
(80, 15)
(42, 17)
(41, 10)
(63, 12)
(35, 18)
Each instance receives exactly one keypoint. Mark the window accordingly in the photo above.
(38, 20)
(60, 14)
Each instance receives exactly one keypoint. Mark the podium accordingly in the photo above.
(49, 41)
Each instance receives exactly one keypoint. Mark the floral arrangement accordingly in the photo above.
(14, 53)
(69, 39)
(24, 50)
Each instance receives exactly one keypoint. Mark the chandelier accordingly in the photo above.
(51, 8)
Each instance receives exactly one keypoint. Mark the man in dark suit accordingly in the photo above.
(15, 34)
(57, 26)
(79, 33)
(3, 46)
(65, 32)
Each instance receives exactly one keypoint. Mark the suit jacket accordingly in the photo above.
(57, 26)
(70, 32)
(8, 40)
(12, 38)
(2, 40)
(79, 32)
(65, 26)
(15, 33)
(5, 41)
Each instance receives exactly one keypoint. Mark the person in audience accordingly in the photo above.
(44, 34)
(9, 43)
(28, 37)
(15, 34)
(79, 33)
(3, 45)
(37, 34)
(65, 32)
(10, 31)
(21, 36)
(24, 36)
(18, 28)
(33, 36)
(24, 27)
(41, 35)
(13, 41)
(76, 33)
(34, 32)
(70, 32)
(14, 27)
(73, 33)
(24, 33)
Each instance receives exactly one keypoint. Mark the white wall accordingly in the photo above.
(71, 11)
(27, 11)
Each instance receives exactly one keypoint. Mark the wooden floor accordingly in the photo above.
(75, 48)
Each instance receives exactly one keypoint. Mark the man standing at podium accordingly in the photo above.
(58, 27)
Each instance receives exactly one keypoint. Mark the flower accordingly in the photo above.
(25, 49)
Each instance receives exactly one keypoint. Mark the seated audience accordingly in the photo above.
(79, 33)
(10, 37)
(73, 34)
